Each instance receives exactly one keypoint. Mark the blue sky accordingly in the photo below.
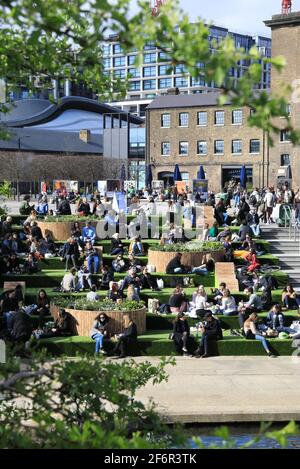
(244, 16)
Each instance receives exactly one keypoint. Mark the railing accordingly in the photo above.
(287, 215)
(294, 228)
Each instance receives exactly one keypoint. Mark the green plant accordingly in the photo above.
(192, 246)
(103, 305)
(5, 189)
(70, 218)
(82, 403)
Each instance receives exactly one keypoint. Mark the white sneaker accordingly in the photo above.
(184, 349)
(102, 351)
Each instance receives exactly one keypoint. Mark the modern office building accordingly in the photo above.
(77, 139)
(156, 75)
(193, 130)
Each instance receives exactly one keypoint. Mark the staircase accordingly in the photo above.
(286, 246)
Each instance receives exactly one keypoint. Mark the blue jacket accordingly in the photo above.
(89, 233)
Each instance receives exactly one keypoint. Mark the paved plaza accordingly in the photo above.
(228, 389)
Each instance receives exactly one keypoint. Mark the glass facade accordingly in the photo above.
(178, 75)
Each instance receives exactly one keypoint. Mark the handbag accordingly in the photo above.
(153, 305)
(160, 283)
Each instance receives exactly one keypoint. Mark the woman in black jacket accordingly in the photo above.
(116, 245)
(211, 331)
(64, 325)
(181, 333)
(43, 306)
(128, 336)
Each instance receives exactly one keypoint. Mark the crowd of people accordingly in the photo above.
(22, 251)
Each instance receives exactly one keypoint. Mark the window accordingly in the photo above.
(149, 71)
(166, 121)
(149, 85)
(183, 119)
(119, 61)
(106, 50)
(131, 59)
(120, 73)
(106, 63)
(198, 81)
(183, 148)
(285, 136)
(202, 118)
(163, 57)
(219, 147)
(285, 160)
(150, 46)
(117, 49)
(219, 118)
(181, 82)
(202, 147)
(166, 148)
(164, 70)
(254, 146)
(180, 69)
(165, 83)
(236, 147)
(149, 58)
(134, 72)
(237, 117)
(134, 85)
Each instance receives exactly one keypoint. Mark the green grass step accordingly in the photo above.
(157, 343)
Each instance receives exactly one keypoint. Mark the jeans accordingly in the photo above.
(292, 303)
(93, 260)
(237, 200)
(8, 316)
(98, 338)
(199, 270)
(205, 340)
(178, 270)
(81, 279)
(116, 251)
(72, 258)
(263, 340)
(256, 230)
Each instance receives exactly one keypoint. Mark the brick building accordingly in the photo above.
(192, 130)
(284, 157)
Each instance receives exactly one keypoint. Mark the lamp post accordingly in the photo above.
(18, 171)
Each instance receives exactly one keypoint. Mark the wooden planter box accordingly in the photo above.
(60, 231)
(84, 320)
(161, 259)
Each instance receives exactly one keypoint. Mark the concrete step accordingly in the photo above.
(288, 250)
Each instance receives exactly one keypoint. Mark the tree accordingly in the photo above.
(80, 403)
(59, 39)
